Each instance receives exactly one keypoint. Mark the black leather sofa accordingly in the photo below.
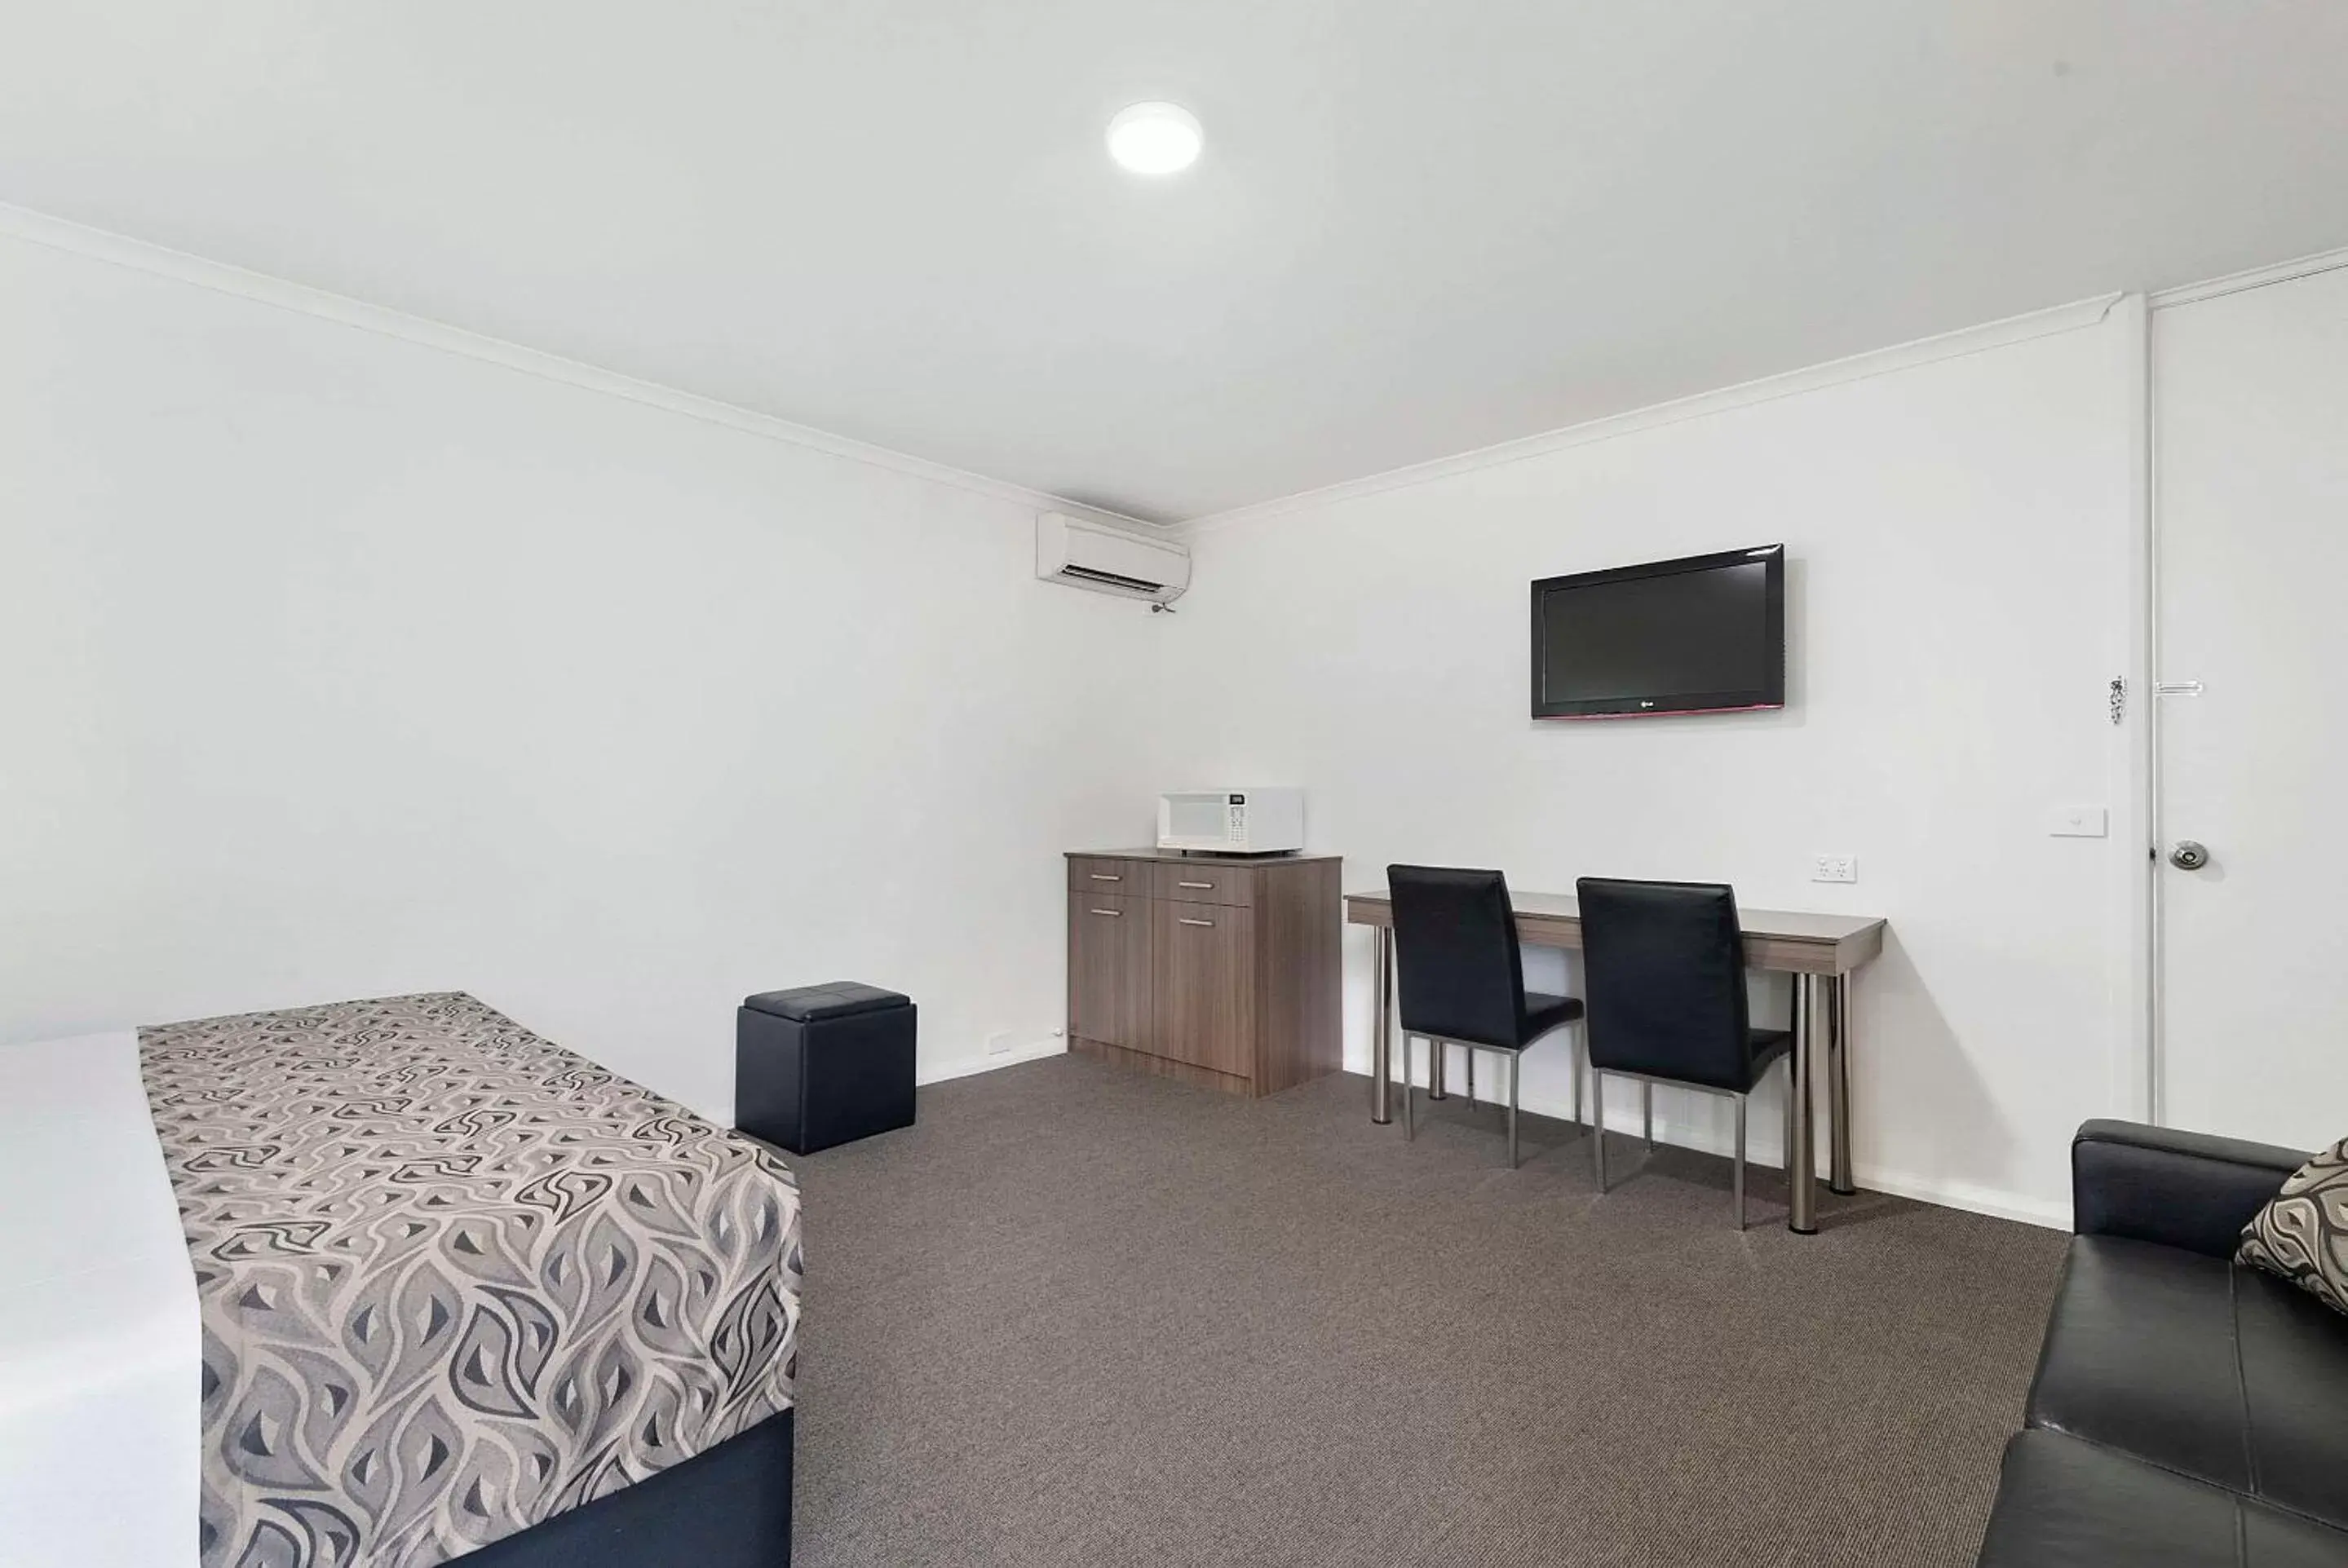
(2185, 1412)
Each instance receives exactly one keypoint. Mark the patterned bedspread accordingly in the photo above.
(454, 1278)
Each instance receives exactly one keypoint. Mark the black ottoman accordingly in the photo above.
(822, 1065)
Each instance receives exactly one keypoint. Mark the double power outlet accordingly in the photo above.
(1835, 868)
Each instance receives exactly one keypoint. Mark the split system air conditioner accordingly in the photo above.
(1086, 554)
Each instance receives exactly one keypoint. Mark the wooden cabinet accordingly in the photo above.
(1222, 971)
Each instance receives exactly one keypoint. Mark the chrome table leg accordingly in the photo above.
(1381, 1026)
(1801, 1156)
(1838, 1086)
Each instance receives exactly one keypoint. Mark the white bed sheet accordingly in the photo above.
(100, 1335)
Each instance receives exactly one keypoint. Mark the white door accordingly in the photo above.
(2250, 477)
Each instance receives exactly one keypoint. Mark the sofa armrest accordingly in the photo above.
(2186, 1190)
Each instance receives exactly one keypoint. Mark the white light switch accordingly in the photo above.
(1835, 868)
(2077, 822)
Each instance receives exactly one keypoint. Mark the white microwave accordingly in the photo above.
(1232, 821)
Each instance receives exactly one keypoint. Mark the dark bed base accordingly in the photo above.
(727, 1508)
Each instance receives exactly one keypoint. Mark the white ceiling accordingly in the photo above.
(1418, 227)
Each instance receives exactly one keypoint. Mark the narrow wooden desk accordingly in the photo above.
(1820, 951)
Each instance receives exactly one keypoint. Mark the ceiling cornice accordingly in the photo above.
(1703, 404)
(61, 234)
(2256, 278)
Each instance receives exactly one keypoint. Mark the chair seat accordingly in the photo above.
(1766, 1046)
(1544, 1012)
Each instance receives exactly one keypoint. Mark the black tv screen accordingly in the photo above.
(1705, 634)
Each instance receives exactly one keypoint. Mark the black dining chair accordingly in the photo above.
(1663, 964)
(1461, 977)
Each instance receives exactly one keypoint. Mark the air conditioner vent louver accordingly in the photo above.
(1102, 559)
(1113, 579)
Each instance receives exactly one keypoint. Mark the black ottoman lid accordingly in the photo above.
(835, 998)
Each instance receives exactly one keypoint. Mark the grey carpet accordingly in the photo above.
(1083, 1315)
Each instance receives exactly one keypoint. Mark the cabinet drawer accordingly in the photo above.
(1202, 884)
(1099, 873)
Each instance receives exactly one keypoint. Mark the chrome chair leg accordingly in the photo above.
(1471, 1077)
(1789, 1160)
(1516, 1070)
(1573, 1054)
(1410, 1094)
(1739, 1180)
(1434, 1053)
(1647, 1108)
(1790, 1129)
(1597, 1124)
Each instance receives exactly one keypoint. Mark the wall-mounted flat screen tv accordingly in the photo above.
(1702, 635)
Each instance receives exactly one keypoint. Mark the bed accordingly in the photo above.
(388, 1283)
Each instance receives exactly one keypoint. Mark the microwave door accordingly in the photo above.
(1195, 818)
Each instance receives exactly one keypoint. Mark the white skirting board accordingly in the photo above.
(1623, 1117)
(964, 1066)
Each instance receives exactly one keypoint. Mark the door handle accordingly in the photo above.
(1188, 921)
(1112, 914)
(1206, 884)
(2188, 855)
(1105, 876)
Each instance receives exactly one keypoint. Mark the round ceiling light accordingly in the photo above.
(1155, 138)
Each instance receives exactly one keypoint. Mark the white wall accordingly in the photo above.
(336, 665)
(1960, 541)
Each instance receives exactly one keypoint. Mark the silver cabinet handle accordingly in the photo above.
(1206, 885)
(1112, 914)
(1105, 876)
(1188, 921)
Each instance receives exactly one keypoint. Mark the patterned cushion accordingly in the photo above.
(2302, 1234)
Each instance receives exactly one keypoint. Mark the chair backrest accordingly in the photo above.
(1663, 979)
(1459, 972)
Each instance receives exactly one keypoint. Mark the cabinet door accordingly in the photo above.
(1203, 984)
(1109, 969)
